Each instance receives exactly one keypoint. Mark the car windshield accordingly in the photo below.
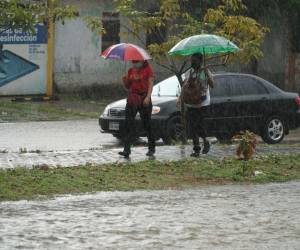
(167, 87)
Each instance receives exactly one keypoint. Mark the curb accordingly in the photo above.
(35, 99)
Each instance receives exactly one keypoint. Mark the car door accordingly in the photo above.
(250, 100)
(219, 110)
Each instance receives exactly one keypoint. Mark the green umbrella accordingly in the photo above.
(205, 44)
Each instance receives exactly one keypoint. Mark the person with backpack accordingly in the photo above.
(139, 82)
(196, 97)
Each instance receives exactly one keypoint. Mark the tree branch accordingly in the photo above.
(136, 35)
(166, 67)
(183, 65)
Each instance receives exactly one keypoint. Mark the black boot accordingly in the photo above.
(196, 152)
(125, 154)
(150, 152)
(206, 147)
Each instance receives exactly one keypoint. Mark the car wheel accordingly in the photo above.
(273, 130)
(174, 131)
(224, 138)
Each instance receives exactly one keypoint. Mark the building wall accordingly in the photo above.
(272, 66)
(77, 51)
(280, 64)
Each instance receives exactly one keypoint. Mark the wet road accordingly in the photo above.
(65, 135)
(74, 143)
(219, 217)
(58, 135)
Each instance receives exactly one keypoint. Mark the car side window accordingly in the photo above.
(221, 87)
(241, 85)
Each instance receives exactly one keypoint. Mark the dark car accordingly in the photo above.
(238, 102)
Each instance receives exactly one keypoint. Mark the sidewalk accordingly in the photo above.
(163, 153)
(292, 137)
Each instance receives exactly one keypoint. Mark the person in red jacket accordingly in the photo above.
(139, 82)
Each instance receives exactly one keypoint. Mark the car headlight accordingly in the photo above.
(106, 110)
(155, 110)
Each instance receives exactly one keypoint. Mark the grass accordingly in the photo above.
(21, 183)
(67, 108)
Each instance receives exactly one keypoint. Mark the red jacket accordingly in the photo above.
(138, 78)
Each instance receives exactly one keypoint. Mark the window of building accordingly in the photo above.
(111, 25)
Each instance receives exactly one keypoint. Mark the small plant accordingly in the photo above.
(248, 169)
(247, 144)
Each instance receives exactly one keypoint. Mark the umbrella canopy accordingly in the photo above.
(126, 52)
(205, 44)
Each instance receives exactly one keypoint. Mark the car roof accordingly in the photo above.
(234, 74)
(268, 84)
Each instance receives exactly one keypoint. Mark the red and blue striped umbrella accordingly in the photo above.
(126, 52)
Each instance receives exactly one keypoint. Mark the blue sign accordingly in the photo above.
(23, 61)
(13, 66)
(17, 36)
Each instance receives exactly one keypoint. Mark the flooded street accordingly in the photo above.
(68, 135)
(55, 135)
(216, 217)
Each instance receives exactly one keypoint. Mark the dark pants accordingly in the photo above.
(130, 127)
(195, 117)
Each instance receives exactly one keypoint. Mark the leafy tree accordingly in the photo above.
(25, 14)
(227, 20)
(173, 20)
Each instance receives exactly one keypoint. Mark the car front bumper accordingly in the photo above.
(108, 125)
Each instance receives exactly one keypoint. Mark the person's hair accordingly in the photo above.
(198, 56)
(145, 63)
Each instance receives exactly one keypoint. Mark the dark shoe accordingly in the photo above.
(150, 153)
(195, 154)
(206, 147)
(197, 148)
(124, 153)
